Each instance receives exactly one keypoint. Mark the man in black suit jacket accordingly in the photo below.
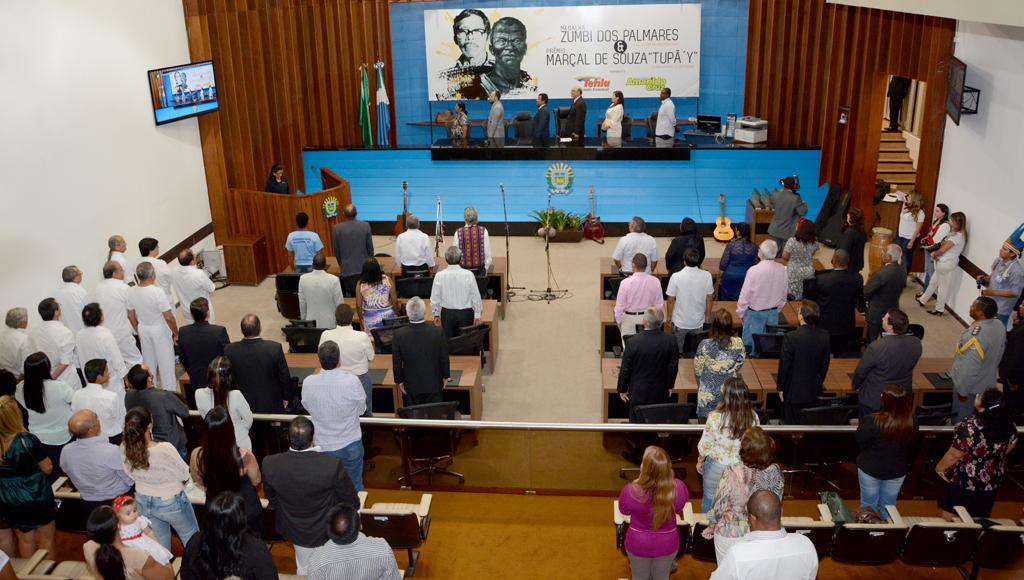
(542, 122)
(803, 364)
(898, 89)
(420, 357)
(576, 122)
(838, 293)
(650, 364)
(200, 343)
(883, 289)
(259, 368)
(302, 484)
(890, 359)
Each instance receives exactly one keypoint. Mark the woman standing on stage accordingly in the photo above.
(612, 124)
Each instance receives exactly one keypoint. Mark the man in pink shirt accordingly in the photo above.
(637, 293)
(763, 294)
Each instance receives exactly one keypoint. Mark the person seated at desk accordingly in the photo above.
(633, 243)
(420, 357)
(260, 370)
(474, 242)
(455, 296)
(636, 294)
(319, 294)
(687, 239)
(277, 183)
(412, 248)
(649, 365)
(303, 244)
(803, 364)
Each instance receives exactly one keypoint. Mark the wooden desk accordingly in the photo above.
(792, 309)
(245, 258)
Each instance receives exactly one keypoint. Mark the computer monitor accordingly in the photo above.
(709, 123)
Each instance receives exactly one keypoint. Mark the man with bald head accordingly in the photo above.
(93, 463)
(767, 552)
(259, 368)
(353, 242)
(190, 283)
(575, 123)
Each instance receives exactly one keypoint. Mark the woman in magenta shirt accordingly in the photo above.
(652, 501)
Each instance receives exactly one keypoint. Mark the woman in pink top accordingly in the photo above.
(652, 501)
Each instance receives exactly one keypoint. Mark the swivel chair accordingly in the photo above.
(433, 448)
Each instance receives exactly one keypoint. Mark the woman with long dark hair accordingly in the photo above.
(719, 357)
(652, 501)
(49, 407)
(220, 465)
(26, 498)
(854, 238)
(375, 296)
(884, 439)
(947, 260)
(109, 559)
(739, 256)
(719, 445)
(931, 242)
(276, 182)
(221, 392)
(688, 238)
(224, 548)
(612, 123)
(799, 256)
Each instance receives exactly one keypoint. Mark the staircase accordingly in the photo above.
(894, 164)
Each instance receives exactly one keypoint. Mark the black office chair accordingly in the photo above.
(415, 271)
(691, 343)
(627, 128)
(469, 343)
(678, 447)
(412, 287)
(396, 321)
(522, 125)
(287, 294)
(814, 460)
(302, 323)
(402, 531)
(433, 448)
(302, 338)
(779, 328)
(611, 292)
(349, 283)
(917, 330)
(934, 414)
(384, 337)
(768, 345)
(482, 283)
(868, 544)
(561, 118)
(652, 123)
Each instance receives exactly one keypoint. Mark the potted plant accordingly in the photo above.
(559, 225)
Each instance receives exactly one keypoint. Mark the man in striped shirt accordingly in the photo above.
(349, 553)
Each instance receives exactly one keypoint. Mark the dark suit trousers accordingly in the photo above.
(839, 343)
(895, 108)
(453, 320)
(791, 411)
(422, 398)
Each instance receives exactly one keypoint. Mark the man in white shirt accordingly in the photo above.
(58, 343)
(319, 294)
(100, 399)
(665, 130)
(413, 249)
(72, 298)
(157, 328)
(190, 283)
(767, 552)
(117, 247)
(118, 314)
(150, 250)
(633, 243)
(15, 345)
(335, 400)
(690, 295)
(455, 296)
(474, 242)
(97, 342)
(356, 349)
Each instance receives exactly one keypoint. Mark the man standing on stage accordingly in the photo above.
(496, 121)
(542, 122)
(577, 119)
(665, 130)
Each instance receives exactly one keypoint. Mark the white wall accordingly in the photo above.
(997, 11)
(982, 166)
(81, 155)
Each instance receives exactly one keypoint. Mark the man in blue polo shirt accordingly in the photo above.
(303, 244)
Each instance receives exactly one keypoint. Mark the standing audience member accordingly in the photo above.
(911, 222)
(221, 392)
(118, 313)
(9, 386)
(803, 364)
(636, 294)
(890, 359)
(768, 551)
(349, 553)
(335, 400)
(931, 242)
(319, 294)
(789, 208)
(763, 295)
(160, 476)
(191, 284)
(93, 463)
(220, 465)
(303, 244)
(633, 243)
(108, 557)
(838, 292)
(116, 248)
(15, 345)
(26, 498)
(652, 501)
(650, 364)
(158, 330)
(149, 248)
(72, 297)
(107, 403)
(719, 445)
(974, 466)
(884, 439)
(455, 296)
(474, 242)
(739, 256)
(691, 292)
(977, 357)
(799, 256)
(882, 292)
(420, 358)
(1006, 281)
(1011, 367)
(688, 239)
(259, 368)
(947, 259)
(57, 342)
(224, 548)
(49, 407)
(199, 343)
(375, 297)
(413, 250)
(164, 409)
(496, 120)
(301, 485)
(719, 357)
(356, 351)
(95, 341)
(853, 238)
(353, 242)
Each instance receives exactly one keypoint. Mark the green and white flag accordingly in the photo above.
(364, 109)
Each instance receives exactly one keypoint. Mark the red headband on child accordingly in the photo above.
(121, 500)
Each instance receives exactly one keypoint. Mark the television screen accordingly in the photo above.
(184, 91)
(955, 95)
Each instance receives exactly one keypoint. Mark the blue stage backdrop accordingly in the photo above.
(660, 191)
(723, 49)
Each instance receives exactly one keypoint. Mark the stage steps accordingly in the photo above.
(894, 163)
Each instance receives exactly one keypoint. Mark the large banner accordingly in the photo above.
(519, 52)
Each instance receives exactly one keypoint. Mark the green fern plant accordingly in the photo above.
(558, 219)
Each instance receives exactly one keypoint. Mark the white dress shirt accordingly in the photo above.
(335, 400)
(319, 296)
(164, 281)
(769, 556)
(107, 405)
(149, 304)
(72, 299)
(191, 283)
(455, 288)
(666, 118)
(15, 346)
(632, 244)
(120, 258)
(691, 288)
(487, 247)
(356, 348)
(99, 342)
(54, 339)
(238, 409)
(413, 248)
(112, 295)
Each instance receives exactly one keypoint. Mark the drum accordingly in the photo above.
(880, 239)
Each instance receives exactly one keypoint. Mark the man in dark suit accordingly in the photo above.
(883, 289)
(353, 242)
(302, 484)
(837, 292)
(542, 122)
(260, 370)
(803, 364)
(650, 364)
(898, 89)
(576, 121)
(200, 343)
(420, 357)
(890, 359)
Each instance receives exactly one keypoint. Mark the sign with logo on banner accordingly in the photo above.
(520, 52)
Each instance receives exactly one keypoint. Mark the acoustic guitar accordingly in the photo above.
(592, 227)
(723, 225)
(400, 219)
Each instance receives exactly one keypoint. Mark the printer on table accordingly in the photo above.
(751, 130)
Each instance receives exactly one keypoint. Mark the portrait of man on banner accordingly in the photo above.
(489, 59)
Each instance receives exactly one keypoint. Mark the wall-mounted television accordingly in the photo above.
(955, 93)
(183, 91)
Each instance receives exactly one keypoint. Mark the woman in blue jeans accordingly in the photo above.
(160, 476)
(884, 439)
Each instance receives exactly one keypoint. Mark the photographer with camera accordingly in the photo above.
(789, 208)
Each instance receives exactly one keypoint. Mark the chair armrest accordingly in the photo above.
(894, 514)
(964, 516)
(424, 508)
(617, 516)
(826, 514)
(28, 565)
(176, 566)
(59, 483)
(362, 498)
(688, 513)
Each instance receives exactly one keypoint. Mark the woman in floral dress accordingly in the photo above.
(375, 297)
(799, 255)
(718, 357)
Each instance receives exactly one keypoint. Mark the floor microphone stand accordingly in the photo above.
(549, 294)
(510, 290)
